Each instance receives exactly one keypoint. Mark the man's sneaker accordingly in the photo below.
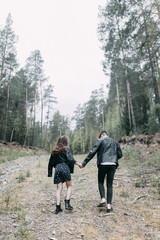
(102, 204)
(109, 210)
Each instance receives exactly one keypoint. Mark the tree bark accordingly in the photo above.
(157, 66)
(119, 108)
(26, 103)
(103, 117)
(41, 114)
(130, 105)
(11, 137)
(3, 60)
(158, 7)
(155, 85)
(34, 118)
(7, 106)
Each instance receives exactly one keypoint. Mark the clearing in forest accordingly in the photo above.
(28, 200)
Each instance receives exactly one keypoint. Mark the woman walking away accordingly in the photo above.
(62, 160)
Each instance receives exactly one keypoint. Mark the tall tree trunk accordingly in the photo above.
(97, 127)
(103, 116)
(60, 132)
(3, 60)
(26, 104)
(158, 69)
(7, 105)
(86, 127)
(153, 72)
(130, 107)
(1, 72)
(151, 60)
(119, 108)
(41, 114)
(11, 137)
(158, 7)
(34, 118)
(81, 137)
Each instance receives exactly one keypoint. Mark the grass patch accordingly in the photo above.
(10, 203)
(6, 156)
(138, 183)
(124, 194)
(23, 230)
(28, 173)
(21, 178)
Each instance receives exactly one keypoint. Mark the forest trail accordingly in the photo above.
(28, 202)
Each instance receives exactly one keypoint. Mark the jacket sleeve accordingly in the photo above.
(92, 153)
(71, 160)
(119, 151)
(70, 156)
(50, 166)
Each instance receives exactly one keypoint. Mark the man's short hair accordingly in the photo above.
(102, 133)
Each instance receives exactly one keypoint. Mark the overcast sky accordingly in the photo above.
(65, 32)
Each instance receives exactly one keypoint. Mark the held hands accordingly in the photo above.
(80, 165)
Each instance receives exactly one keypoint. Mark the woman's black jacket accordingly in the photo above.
(65, 157)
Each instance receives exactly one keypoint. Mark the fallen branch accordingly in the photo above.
(123, 180)
(137, 198)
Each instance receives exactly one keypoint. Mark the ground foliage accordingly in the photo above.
(27, 200)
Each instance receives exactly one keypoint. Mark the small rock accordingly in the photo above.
(15, 225)
(69, 232)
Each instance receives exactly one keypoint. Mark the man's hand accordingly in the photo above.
(81, 166)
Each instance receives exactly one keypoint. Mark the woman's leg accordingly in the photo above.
(68, 196)
(69, 190)
(58, 193)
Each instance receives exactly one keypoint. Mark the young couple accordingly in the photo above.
(108, 152)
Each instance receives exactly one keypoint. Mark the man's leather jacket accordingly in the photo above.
(107, 149)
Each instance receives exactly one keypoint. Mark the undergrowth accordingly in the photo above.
(6, 156)
(144, 165)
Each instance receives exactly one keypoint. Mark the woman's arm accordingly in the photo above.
(71, 158)
(50, 166)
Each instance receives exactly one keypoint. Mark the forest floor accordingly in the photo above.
(27, 200)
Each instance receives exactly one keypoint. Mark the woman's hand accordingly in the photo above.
(79, 165)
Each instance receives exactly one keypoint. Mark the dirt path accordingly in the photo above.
(28, 201)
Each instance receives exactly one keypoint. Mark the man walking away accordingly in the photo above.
(108, 152)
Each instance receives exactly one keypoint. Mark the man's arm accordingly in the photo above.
(91, 153)
(119, 151)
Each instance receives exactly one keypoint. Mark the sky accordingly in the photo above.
(65, 32)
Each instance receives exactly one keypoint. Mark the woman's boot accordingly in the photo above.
(67, 205)
(58, 209)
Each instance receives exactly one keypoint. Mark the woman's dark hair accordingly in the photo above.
(61, 145)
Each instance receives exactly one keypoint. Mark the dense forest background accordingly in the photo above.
(129, 35)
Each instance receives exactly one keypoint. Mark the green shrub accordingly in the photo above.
(138, 183)
(21, 178)
(124, 194)
(28, 173)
